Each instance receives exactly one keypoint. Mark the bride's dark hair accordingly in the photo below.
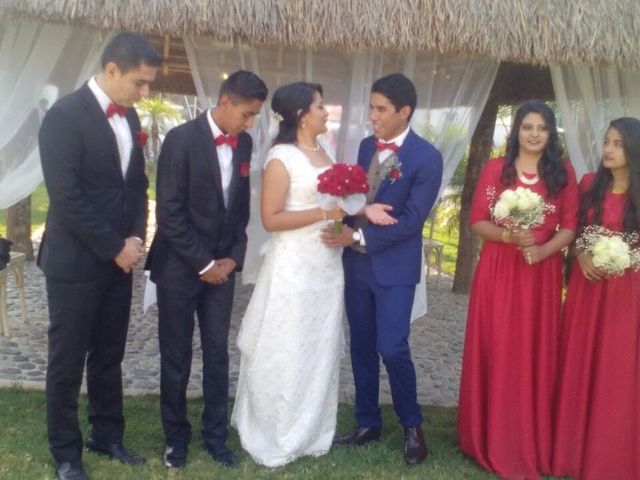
(291, 102)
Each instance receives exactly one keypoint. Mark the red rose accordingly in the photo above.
(394, 174)
(245, 168)
(141, 137)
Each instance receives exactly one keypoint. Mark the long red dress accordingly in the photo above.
(510, 350)
(597, 434)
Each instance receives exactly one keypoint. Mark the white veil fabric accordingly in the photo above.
(588, 99)
(39, 63)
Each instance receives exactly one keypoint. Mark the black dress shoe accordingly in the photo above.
(115, 451)
(174, 456)
(71, 471)
(359, 436)
(222, 454)
(415, 448)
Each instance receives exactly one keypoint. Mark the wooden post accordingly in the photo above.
(19, 227)
(468, 242)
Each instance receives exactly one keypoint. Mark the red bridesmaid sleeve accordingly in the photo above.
(489, 177)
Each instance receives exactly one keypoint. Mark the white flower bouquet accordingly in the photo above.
(520, 208)
(611, 251)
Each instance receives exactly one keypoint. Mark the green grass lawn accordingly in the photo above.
(24, 454)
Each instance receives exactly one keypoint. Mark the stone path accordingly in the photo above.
(436, 344)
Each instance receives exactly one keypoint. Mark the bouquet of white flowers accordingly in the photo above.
(520, 208)
(611, 251)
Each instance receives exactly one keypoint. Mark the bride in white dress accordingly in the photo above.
(291, 337)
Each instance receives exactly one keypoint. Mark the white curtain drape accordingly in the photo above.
(452, 93)
(38, 64)
(588, 99)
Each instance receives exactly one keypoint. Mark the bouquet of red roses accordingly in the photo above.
(344, 185)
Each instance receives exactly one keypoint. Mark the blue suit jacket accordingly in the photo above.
(396, 250)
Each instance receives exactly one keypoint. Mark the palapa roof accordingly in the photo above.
(537, 32)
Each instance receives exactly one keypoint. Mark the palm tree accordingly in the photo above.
(158, 115)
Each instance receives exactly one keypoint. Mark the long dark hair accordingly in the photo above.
(550, 166)
(291, 102)
(629, 130)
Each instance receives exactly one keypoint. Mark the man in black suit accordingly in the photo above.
(202, 212)
(93, 165)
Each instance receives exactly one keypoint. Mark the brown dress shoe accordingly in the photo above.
(359, 436)
(415, 448)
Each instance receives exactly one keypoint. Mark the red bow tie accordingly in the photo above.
(231, 140)
(386, 146)
(113, 108)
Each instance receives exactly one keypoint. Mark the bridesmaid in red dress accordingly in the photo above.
(597, 432)
(511, 343)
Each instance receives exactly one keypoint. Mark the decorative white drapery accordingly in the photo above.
(452, 93)
(38, 64)
(588, 99)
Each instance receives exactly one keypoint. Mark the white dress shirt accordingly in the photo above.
(118, 124)
(399, 140)
(225, 158)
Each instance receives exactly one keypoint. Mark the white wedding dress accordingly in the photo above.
(291, 338)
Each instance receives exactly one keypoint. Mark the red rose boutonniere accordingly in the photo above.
(245, 168)
(142, 137)
(391, 169)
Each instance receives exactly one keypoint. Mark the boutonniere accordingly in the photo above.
(391, 169)
(142, 137)
(245, 168)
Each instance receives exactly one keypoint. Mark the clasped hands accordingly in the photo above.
(523, 238)
(219, 272)
(130, 254)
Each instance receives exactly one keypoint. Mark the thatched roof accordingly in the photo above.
(539, 32)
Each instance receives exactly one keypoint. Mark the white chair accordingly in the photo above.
(433, 249)
(16, 266)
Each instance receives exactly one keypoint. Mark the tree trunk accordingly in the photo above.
(19, 227)
(468, 242)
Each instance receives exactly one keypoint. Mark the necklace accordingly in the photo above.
(315, 148)
(528, 180)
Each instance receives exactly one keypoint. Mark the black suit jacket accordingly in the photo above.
(194, 226)
(92, 208)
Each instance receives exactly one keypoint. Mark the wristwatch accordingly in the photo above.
(356, 236)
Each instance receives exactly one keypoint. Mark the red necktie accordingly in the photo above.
(386, 146)
(113, 108)
(231, 140)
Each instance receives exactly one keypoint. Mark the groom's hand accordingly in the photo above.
(214, 275)
(227, 265)
(337, 240)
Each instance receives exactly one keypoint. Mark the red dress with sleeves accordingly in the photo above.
(511, 342)
(597, 433)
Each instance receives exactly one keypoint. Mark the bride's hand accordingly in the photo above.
(377, 213)
(335, 213)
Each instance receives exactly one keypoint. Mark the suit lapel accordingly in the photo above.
(103, 129)
(134, 139)
(210, 154)
(235, 174)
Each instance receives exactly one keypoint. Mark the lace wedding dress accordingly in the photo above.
(291, 337)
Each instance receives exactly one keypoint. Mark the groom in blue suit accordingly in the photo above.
(383, 264)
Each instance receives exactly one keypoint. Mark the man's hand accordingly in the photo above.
(130, 254)
(337, 240)
(219, 272)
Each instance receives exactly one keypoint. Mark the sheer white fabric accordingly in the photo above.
(291, 336)
(588, 99)
(452, 92)
(38, 64)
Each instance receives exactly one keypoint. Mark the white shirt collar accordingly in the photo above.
(101, 96)
(214, 128)
(399, 140)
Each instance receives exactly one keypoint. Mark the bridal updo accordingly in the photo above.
(291, 102)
